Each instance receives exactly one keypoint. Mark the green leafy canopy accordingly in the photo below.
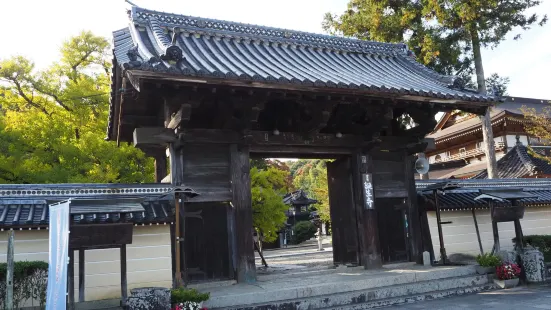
(441, 33)
(53, 121)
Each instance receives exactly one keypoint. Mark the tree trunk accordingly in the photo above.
(487, 131)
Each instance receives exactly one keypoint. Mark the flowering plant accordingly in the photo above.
(507, 271)
(188, 305)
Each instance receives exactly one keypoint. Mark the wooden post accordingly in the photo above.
(124, 282)
(495, 231)
(414, 223)
(477, 231)
(160, 167)
(439, 224)
(518, 234)
(488, 136)
(368, 226)
(176, 174)
(242, 205)
(177, 240)
(71, 276)
(81, 275)
(9, 273)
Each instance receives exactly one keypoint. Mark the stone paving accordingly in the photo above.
(519, 298)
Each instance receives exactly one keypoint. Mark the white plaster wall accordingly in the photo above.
(460, 236)
(148, 260)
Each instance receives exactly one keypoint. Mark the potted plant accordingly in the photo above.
(507, 275)
(487, 263)
(188, 299)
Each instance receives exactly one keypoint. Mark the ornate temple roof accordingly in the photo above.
(298, 198)
(192, 46)
(519, 162)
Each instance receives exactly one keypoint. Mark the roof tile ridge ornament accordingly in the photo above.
(173, 54)
(524, 157)
(189, 23)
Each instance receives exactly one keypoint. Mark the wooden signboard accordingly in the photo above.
(367, 185)
(100, 235)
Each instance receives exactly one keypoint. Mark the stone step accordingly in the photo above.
(352, 297)
(344, 281)
(416, 298)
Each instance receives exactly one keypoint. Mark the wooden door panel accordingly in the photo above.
(343, 213)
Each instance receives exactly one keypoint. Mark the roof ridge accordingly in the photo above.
(205, 25)
(525, 158)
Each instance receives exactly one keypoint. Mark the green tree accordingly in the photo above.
(267, 188)
(311, 177)
(447, 35)
(53, 121)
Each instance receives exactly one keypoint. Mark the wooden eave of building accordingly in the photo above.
(222, 75)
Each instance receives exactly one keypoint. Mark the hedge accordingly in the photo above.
(303, 231)
(541, 242)
(29, 282)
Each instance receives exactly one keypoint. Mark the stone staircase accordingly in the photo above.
(350, 288)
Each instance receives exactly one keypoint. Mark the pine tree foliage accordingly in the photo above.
(53, 121)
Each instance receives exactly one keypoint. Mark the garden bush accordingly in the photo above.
(303, 231)
(541, 242)
(29, 282)
(488, 260)
(182, 295)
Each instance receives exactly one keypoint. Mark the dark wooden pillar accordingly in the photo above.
(124, 282)
(414, 223)
(81, 275)
(160, 167)
(71, 276)
(368, 228)
(242, 208)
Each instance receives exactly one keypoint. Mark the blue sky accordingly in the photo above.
(36, 29)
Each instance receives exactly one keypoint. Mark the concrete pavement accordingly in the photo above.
(525, 298)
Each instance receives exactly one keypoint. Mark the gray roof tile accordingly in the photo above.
(229, 50)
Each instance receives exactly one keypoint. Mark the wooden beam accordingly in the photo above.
(148, 136)
(81, 275)
(183, 115)
(242, 208)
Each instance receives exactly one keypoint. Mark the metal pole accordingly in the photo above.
(477, 232)
(439, 224)
(9, 273)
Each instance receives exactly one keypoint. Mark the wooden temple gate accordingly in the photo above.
(217, 94)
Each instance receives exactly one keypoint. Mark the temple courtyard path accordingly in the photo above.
(525, 298)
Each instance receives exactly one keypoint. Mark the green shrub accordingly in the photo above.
(488, 260)
(182, 295)
(29, 282)
(541, 242)
(303, 231)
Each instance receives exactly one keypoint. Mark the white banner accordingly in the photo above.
(56, 294)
